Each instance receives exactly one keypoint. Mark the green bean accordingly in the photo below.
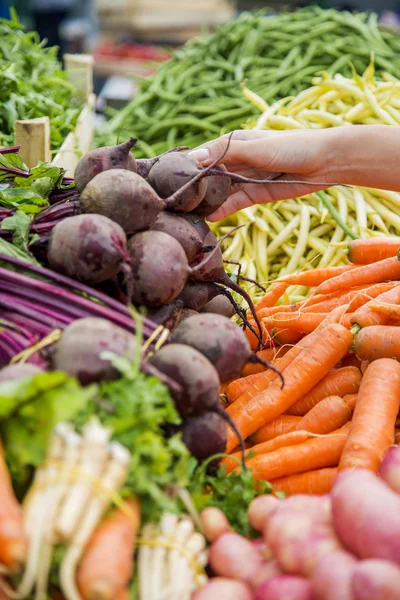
(333, 212)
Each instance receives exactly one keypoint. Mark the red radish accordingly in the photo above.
(89, 248)
(223, 589)
(331, 578)
(376, 580)
(390, 468)
(103, 159)
(288, 587)
(366, 515)
(214, 523)
(260, 510)
(79, 350)
(232, 555)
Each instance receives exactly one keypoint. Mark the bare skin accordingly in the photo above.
(365, 155)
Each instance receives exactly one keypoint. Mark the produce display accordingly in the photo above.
(196, 95)
(33, 85)
(282, 237)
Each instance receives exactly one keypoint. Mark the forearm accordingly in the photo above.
(365, 155)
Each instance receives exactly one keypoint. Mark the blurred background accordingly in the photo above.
(128, 37)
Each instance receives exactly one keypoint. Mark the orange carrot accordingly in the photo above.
(253, 340)
(383, 270)
(260, 382)
(13, 543)
(370, 292)
(287, 439)
(286, 337)
(303, 305)
(272, 296)
(317, 482)
(316, 453)
(269, 355)
(351, 401)
(339, 382)
(312, 364)
(275, 428)
(366, 315)
(380, 341)
(303, 322)
(366, 251)
(326, 416)
(372, 427)
(107, 563)
(315, 277)
(123, 595)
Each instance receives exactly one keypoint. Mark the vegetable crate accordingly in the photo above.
(156, 17)
(34, 135)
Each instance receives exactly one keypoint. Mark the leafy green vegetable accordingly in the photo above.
(33, 84)
(232, 494)
(29, 410)
(136, 407)
(20, 225)
(11, 250)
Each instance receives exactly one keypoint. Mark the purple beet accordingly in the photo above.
(196, 294)
(19, 371)
(186, 313)
(124, 197)
(204, 435)
(168, 316)
(182, 231)
(79, 350)
(89, 248)
(218, 190)
(103, 159)
(221, 341)
(198, 223)
(160, 268)
(170, 173)
(197, 378)
(144, 165)
(220, 305)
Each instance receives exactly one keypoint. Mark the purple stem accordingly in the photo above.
(23, 323)
(59, 210)
(6, 354)
(17, 329)
(16, 172)
(68, 180)
(13, 342)
(63, 195)
(71, 284)
(28, 311)
(11, 150)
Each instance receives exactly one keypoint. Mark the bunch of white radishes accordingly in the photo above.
(341, 546)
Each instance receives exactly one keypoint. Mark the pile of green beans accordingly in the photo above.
(197, 94)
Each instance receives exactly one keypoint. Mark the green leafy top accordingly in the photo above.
(33, 84)
(231, 493)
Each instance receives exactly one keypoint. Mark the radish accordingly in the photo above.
(79, 350)
(375, 579)
(223, 589)
(19, 371)
(390, 468)
(103, 159)
(366, 515)
(218, 190)
(90, 248)
(289, 587)
(221, 341)
(232, 555)
(124, 197)
(214, 523)
(198, 381)
(261, 509)
(182, 231)
(332, 576)
(204, 435)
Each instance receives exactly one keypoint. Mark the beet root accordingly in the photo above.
(198, 223)
(144, 165)
(220, 305)
(160, 268)
(170, 173)
(182, 231)
(78, 352)
(218, 190)
(196, 294)
(168, 316)
(204, 435)
(185, 314)
(103, 159)
(19, 371)
(90, 248)
(124, 197)
(194, 373)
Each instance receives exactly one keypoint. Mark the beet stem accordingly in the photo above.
(11, 150)
(235, 178)
(257, 360)
(228, 419)
(194, 270)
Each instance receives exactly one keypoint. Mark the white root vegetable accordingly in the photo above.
(112, 478)
(331, 578)
(375, 579)
(94, 454)
(366, 515)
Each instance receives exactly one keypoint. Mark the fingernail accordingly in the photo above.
(201, 154)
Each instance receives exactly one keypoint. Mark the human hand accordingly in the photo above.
(296, 155)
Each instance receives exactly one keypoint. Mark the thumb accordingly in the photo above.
(238, 152)
(232, 205)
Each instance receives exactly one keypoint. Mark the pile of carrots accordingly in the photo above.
(338, 352)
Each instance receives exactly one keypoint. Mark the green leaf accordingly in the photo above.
(10, 250)
(20, 225)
